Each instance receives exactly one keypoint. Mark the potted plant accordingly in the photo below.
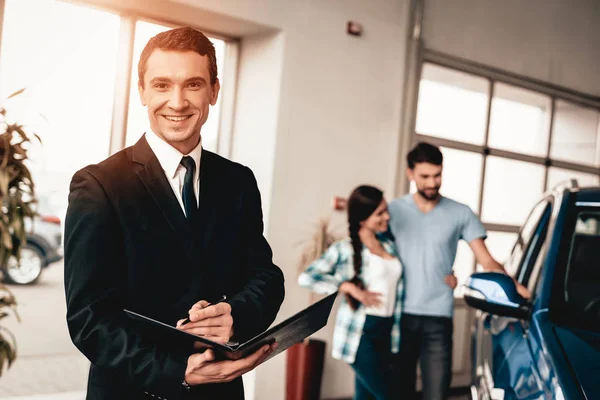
(8, 344)
(305, 360)
(17, 198)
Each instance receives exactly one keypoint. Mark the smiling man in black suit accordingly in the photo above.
(166, 228)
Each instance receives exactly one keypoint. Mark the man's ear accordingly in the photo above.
(216, 87)
(141, 92)
(409, 174)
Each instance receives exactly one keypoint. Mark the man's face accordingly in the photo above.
(427, 178)
(177, 93)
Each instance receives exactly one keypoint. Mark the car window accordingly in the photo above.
(534, 247)
(515, 261)
(582, 285)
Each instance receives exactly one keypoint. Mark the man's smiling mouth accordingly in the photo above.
(177, 118)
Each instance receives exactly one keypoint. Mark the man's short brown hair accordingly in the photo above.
(180, 39)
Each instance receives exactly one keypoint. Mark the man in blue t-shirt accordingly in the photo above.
(427, 227)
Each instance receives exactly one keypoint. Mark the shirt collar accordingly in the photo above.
(169, 157)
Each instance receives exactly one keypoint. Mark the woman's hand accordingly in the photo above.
(365, 297)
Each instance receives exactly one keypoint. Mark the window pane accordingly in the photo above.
(513, 261)
(519, 120)
(583, 272)
(462, 176)
(537, 237)
(500, 245)
(463, 265)
(558, 175)
(511, 265)
(65, 56)
(511, 188)
(452, 105)
(529, 226)
(575, 134)
(137, 121)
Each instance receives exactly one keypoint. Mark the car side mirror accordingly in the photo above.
(495, 292)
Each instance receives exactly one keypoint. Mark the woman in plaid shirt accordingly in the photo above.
(366, 269)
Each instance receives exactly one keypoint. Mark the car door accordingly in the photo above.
(502, 360)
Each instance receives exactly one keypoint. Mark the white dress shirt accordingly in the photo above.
(169, 159)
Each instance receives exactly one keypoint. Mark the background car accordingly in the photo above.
(547, 347)
(43, 247)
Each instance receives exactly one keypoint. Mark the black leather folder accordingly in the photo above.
(287, 333)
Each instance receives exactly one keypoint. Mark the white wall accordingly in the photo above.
(550, 40)
(339, 119)
(257, 110)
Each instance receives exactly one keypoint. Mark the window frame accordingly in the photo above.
(128, 20)
(427, 56)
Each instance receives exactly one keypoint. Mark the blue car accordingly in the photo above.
(547, 347)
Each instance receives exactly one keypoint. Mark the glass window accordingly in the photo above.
(534, 244)
(558, 175)
(514, 260)
(500, 244)
(452, 105)
(463, 264)
(583, 272)
(65, 56)
(519, 120)
(511, 188)
(462, 176)
(137, 120)
(575, 134)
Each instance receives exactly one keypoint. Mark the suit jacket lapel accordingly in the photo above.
(155, 181)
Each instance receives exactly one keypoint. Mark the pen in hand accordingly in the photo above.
(187, 319)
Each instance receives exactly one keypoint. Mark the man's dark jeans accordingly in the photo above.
(429, 339)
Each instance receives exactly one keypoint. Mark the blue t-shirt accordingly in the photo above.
(427, 244)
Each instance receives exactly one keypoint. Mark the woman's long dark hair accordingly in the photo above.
(363, 201)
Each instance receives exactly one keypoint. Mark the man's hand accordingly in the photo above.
(451, 281)
(201, 367)
(365, 297)
(213, 321)
(522, 290)
(484, 258)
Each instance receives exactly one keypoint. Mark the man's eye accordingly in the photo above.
(160, 85)
(195, 85)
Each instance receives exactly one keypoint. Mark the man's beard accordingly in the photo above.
(430, 197)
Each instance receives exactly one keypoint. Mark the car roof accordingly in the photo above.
(587, 194)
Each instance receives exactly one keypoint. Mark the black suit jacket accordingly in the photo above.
(129, 245)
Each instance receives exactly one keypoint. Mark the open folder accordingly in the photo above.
(287, 333)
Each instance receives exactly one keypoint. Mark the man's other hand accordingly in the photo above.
(451, 281)
(523, 291)
(214, 321)
(201, 367)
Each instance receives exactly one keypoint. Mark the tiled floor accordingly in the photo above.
(47, 361)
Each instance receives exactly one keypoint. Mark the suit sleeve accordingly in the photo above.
(95, 285)
(255, 307)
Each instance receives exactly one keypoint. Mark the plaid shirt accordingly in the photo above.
(326, 274)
